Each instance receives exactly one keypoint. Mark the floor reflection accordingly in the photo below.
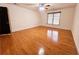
(53, 35)
(41, 51)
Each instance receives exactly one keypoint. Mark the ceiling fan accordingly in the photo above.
(44, 6)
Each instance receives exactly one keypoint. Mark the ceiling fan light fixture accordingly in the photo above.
(41, 8)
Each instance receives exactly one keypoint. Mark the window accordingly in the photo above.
(54, 18)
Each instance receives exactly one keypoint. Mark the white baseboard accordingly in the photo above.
(5, 34)
(24, 28)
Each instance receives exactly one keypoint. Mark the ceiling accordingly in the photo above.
(47, 6)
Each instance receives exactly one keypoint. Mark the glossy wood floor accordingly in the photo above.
(38, 40)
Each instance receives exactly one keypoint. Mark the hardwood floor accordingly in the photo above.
(38, 40)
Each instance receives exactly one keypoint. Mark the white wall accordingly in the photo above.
(75, 29)
(21, 18)
(66, 19)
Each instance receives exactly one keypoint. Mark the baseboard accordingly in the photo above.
(55, 27)
(75, 42)
(5, 34)
(25, 28)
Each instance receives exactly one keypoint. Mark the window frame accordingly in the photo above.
(53, 18)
